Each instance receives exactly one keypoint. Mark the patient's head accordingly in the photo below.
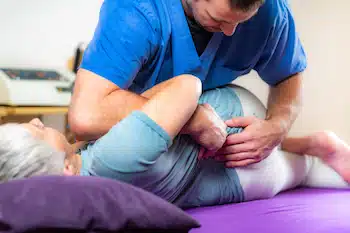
(32, 149)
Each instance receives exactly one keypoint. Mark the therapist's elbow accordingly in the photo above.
(83, 120)
(81, 125)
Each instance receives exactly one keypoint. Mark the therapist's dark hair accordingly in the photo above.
(246, 5)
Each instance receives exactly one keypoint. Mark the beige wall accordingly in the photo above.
(324, 28)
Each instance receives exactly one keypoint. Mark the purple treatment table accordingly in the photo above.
(296, 211)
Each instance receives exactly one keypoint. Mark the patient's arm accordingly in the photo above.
(98, 104)
(137, 141)
(205, 126)
(172, 106)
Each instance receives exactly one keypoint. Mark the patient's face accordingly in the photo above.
(52, 136)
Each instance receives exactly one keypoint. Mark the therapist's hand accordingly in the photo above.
(207, 129)
(253, 144)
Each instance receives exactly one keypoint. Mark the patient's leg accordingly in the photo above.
(283, 171)
(326, 146)
(319, 160)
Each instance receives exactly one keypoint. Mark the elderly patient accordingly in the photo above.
(151, 149)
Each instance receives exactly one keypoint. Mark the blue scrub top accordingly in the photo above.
(140, 43)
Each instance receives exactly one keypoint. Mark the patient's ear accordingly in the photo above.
(68, 169)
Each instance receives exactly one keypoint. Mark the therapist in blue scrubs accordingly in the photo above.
(140, 43)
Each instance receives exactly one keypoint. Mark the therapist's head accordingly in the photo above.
(221, 15)
(32, 149)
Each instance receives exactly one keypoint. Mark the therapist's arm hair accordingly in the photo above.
(285, 101)
(97, 104)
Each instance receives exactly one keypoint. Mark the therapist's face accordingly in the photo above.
(217, 15)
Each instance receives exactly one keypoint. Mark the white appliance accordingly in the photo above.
(35, 87)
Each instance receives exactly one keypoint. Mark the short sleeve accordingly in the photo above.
(283, 55)
(123, 41)
(132, 145)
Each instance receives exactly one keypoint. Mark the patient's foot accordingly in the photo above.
(331, 149)
(336, 153)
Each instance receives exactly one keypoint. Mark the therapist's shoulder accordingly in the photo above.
(131, 9)
(273, 14)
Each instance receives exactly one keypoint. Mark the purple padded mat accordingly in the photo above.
(297, 211)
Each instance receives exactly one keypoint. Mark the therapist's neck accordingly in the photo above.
(186, 4)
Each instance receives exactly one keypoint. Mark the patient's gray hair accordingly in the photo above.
(22, 155)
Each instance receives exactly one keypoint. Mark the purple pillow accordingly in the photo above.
(86, 204)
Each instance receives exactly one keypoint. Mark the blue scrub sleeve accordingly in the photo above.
(283, 55)
(131, 146)
(123, 41)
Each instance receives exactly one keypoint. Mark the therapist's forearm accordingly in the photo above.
(118, 105)
(121, 103)
(110, 111)
(285, 102)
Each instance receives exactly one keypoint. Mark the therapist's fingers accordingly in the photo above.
(240, 121)
(237, 157)
(242, 163)
(238, 138)
(237, 148)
